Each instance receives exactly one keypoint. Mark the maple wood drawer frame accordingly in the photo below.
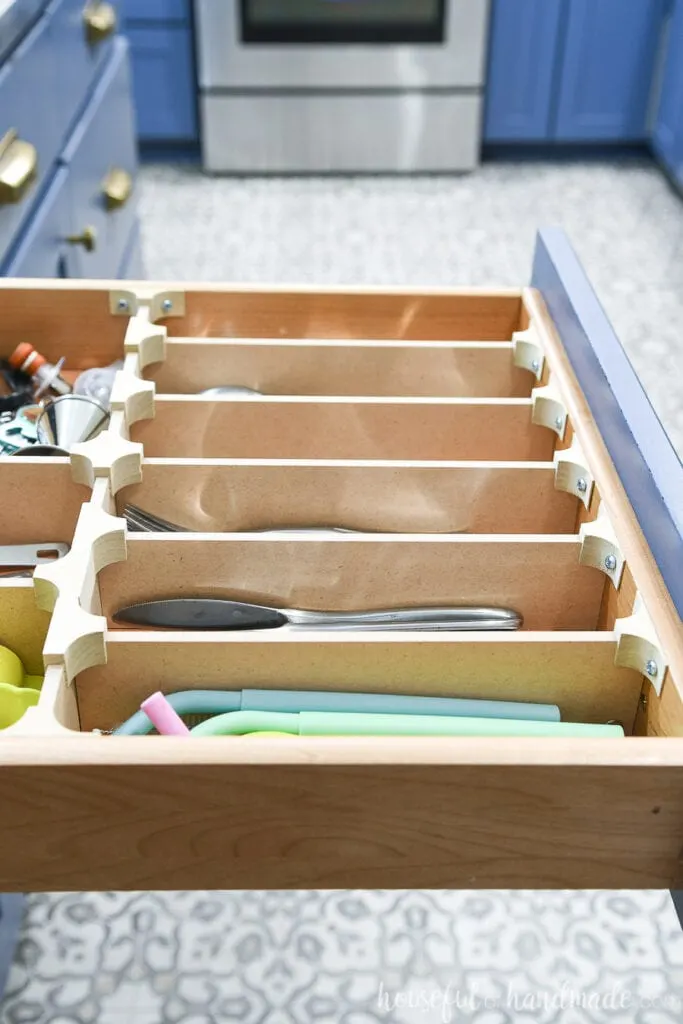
(83, 811)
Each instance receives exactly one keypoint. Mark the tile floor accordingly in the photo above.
(358, 957)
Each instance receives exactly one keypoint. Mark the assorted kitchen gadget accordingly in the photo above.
(18, 691)
(69, 420)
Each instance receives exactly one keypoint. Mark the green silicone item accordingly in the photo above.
(313, 723)
(14, 700)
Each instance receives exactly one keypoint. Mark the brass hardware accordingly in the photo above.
(87, 238)
(18, 167)
(100, 21)
(117, 188)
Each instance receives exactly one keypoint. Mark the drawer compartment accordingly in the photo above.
(466, 370)
(351, 428)
(447, 497)
(102, 218)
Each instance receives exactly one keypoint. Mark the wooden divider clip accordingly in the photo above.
(600, 548)
(549, 409)
(527, 352)
(572, 473)
(638, 645)
(146, 339)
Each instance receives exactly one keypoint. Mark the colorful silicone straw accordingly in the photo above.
(218, 702)
(163, 717)
(337, 724)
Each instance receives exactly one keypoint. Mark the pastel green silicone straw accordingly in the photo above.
(313, 723)
(219, 702)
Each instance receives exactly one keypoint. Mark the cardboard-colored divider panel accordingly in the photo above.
(538, 576)
(23, 626)
(344, 428)
(253, 311)
(462, 369)
(224, 496)
(39, 501)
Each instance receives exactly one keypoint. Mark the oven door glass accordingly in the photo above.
(343, 21)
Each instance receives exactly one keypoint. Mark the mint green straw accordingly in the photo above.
(328, 723)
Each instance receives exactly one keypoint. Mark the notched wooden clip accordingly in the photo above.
(600, 548)
(75, 638)
(572, 473)
(549, 410)
(638, 646)
(527, 352)
(146, 339)
(107, 455)
(132, 396)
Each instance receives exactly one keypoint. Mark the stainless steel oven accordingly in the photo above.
(341, 85)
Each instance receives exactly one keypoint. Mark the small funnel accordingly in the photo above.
(70, 419)
(39, 450)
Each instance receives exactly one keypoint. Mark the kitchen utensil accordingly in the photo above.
(40, 451)
(70, 419)
(220, 613)
(194, 703)
(139, 521)
(230, 391)
(46, 376)
(31, 554)
(163, 717)
(316, 723)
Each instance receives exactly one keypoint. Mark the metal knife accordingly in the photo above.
(31, 554)
(218, 613)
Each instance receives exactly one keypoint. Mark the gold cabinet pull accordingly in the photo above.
(99, 19)
(18, 167)
(87, 238)
(117, 188)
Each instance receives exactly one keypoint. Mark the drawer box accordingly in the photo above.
(580, 558)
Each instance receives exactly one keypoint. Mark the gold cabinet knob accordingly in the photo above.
(18, 167)
(99, 19)
(117, 188)
(87, 238)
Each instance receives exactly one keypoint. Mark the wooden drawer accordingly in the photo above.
(541, 510)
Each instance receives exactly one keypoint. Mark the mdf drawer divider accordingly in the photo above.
(475, 369)
(227, 495)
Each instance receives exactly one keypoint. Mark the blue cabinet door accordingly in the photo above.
(667, 137)
(611, 49)
(163, 83)
(524, 52)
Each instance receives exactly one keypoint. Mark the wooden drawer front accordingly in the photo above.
(464, 497)
(103, 141)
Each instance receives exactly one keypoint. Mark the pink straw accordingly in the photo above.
(162, 716)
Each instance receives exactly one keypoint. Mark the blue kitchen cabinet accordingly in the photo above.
(667, 137)
(610, 54)
(523, 57)
(162, 51)
(572, 70)
(163, 83)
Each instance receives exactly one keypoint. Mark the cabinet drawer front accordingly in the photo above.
(42, 250)
(104, 140)
(79, 55)
(27, 82)
(163, 75)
